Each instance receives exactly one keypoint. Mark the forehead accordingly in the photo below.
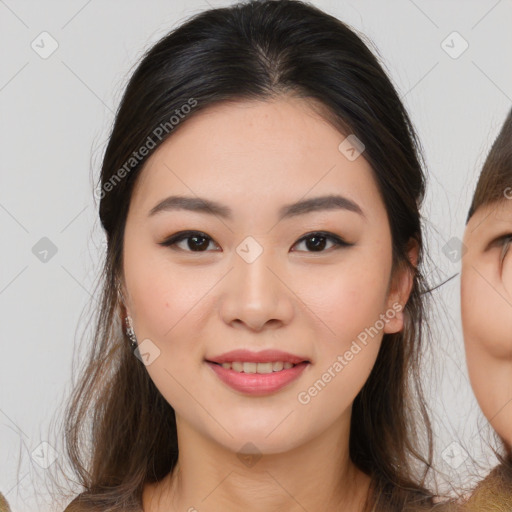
(495, 214)
(256, 149)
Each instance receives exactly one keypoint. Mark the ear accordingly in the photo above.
(400, 289)
(121, 302)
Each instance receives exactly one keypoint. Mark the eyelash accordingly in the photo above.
(504, 241)
(184, 235)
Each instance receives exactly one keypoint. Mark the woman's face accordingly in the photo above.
(248, 280)
(486, 300)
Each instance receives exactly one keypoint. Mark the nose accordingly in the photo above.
(256, 295)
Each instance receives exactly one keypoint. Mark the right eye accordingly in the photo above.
(197, 241)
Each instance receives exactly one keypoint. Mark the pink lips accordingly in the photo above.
(257, 383)
(265, 356)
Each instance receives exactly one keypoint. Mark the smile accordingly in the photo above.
(258, 378)
(250, 367)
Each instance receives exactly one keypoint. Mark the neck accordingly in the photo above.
(317, 475)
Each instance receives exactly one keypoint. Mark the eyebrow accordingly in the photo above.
(202, 205)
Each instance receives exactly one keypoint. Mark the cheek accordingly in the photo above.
(345, 309)
(487, 327)
(167, 301)
(349, 300)
(350, 303)
(506, 277)
(486, 315)
(170, 309)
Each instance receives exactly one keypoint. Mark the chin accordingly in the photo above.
(260, 442)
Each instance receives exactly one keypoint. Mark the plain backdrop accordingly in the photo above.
(62, 73)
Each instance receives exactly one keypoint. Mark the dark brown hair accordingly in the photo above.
(495, 181)
(258, 50)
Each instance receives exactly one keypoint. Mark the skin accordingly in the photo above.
(256, 157)
(486, 301)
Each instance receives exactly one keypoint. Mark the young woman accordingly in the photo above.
(260, 194)
(486, 301)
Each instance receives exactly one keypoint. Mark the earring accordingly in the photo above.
(130, 332)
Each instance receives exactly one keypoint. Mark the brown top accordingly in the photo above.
(493, 494)
(4, 506)
(73, 506)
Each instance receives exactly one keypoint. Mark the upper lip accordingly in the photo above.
(265, 356)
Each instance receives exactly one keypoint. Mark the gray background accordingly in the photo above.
(55, 116)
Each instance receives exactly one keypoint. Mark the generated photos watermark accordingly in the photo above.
(138, 156)
(304, 397)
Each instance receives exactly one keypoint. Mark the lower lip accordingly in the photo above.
(257, 383)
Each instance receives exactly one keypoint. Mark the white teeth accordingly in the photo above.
(276, 366)
(238, 367)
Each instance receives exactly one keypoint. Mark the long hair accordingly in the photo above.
(257, 50)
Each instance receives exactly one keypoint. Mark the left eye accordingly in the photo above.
(198, 241)
(319, 239)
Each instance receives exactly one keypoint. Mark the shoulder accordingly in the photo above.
(76, 505)
(4, 506)
(73, 506)
(493, 493)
